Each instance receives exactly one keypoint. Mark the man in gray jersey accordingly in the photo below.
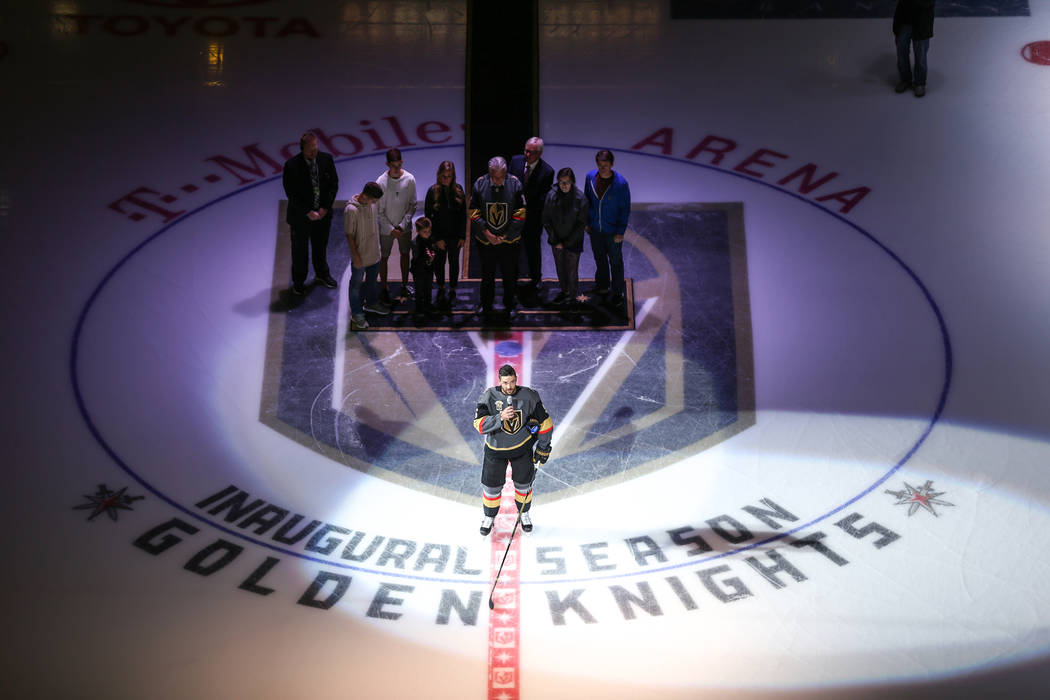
(497, 216)
(518, 430)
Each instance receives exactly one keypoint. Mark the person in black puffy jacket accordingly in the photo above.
(565, 219)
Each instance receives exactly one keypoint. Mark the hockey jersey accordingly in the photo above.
(500, 209)
(529, 423)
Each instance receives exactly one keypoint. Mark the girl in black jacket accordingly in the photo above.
(446, 207)
(565, 218)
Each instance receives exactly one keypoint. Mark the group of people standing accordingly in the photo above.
(511, 418)
(509, 208)
(382, 214)
(376, 218)
(513, 205)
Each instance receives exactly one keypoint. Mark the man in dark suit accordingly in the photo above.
(536, 179)
(310, 183)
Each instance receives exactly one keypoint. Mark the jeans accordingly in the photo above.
(608, 254)
(368, 276)
(920, 47)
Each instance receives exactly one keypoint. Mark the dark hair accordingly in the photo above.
(455, 190)
(373, 190)
(393, 155)
(422, 223)
(447, 165)
(604, 154)
(567, 172)
(308, 136)
(507, 371)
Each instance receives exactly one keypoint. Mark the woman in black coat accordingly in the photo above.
(913, 28)
(446, 207)
(565, 218)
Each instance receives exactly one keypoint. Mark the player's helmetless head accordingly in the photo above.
(508, 379)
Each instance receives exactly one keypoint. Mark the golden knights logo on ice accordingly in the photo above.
(400, 406)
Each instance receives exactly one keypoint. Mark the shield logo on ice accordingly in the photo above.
(400, 405)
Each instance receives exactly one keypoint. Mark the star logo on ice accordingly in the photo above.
(922, 497)
(106, 501)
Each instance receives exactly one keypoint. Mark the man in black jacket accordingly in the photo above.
(310, 183)
(536, 178)
(913, 28)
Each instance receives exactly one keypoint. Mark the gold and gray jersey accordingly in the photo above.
(498, 208)
(513, 434)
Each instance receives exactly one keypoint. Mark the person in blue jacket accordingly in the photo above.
(610, 207)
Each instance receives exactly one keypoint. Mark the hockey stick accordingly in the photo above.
(517, 522)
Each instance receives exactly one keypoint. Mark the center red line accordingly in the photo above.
(504, 681)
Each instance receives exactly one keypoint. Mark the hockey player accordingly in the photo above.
(518, 430)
